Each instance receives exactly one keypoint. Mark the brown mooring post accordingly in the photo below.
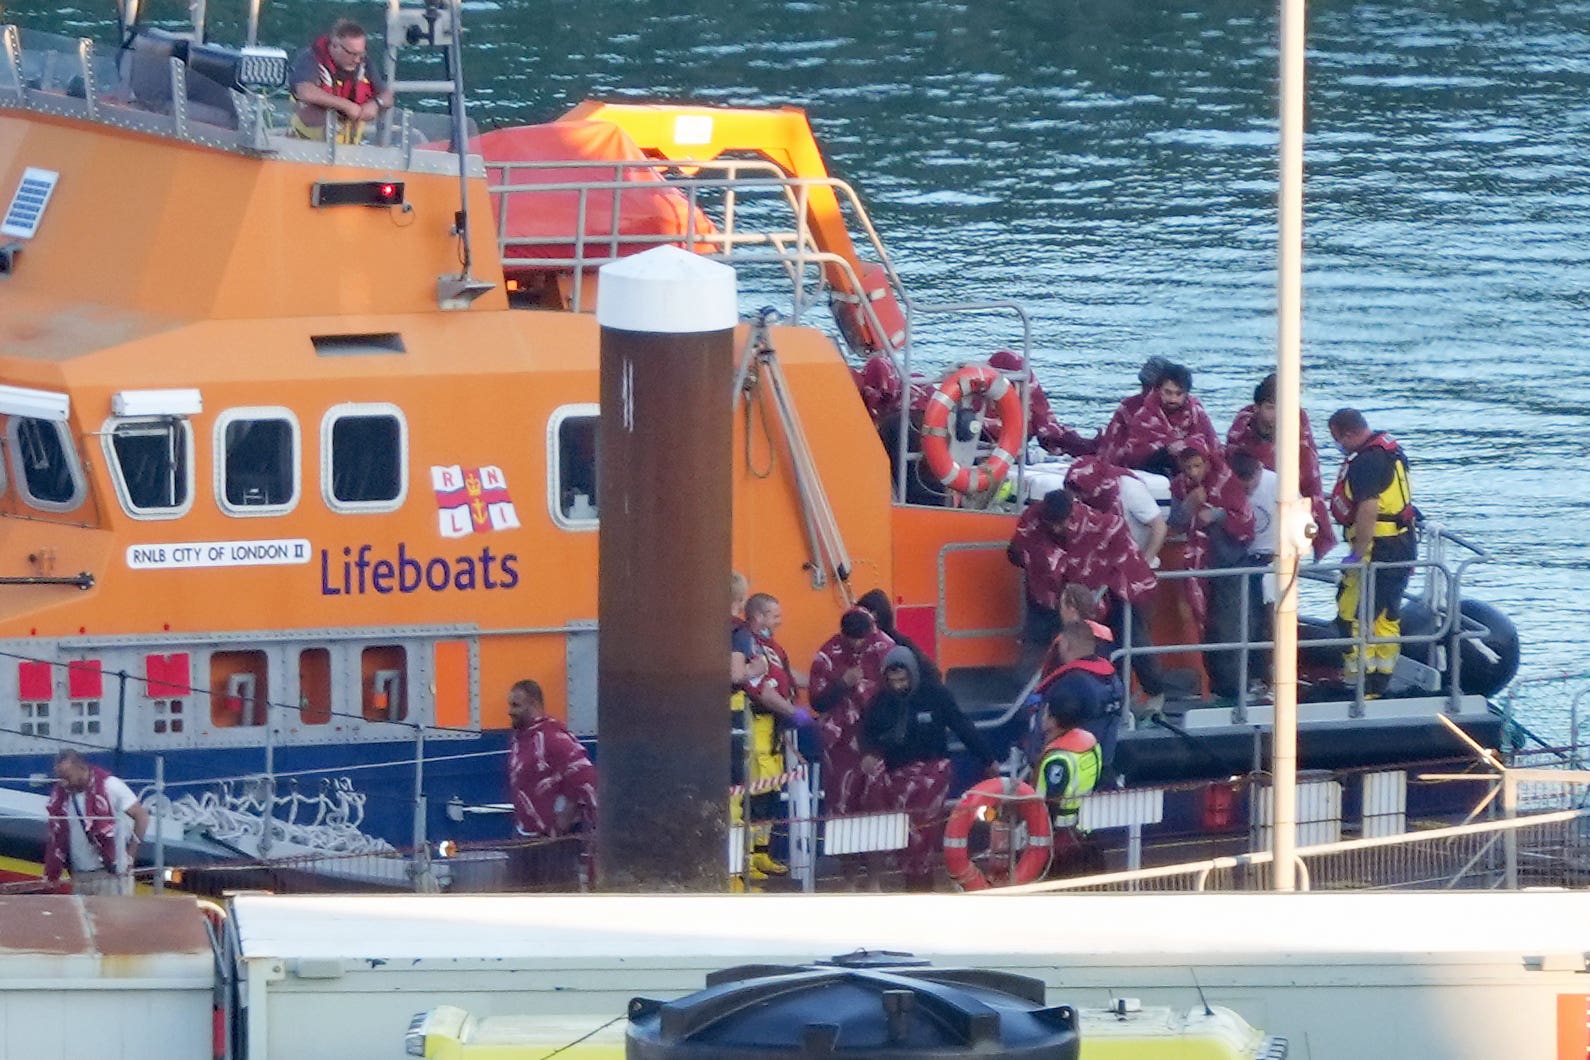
(664, 497)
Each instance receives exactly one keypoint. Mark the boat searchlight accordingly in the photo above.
(253, 68)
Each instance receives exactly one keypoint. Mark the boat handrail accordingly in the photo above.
(74, 77)
(795, 247)
(1452, 626)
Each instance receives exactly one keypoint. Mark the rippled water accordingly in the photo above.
(1112, 165)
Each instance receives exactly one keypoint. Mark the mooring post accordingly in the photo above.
(664, 498)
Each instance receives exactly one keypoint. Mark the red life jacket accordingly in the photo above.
(1096, 666)
(351, 85)
(778, 667)
(1344, 507)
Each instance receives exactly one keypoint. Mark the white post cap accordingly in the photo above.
(667, 290)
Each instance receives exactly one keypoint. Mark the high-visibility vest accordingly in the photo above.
(1394, 513)
(1078, 749)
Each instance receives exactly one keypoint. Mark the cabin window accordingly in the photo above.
(257, 473)
(364, 458)
(44, 463)
(571, 458)
(314, 686)
(238, 692)
(151, 462)
(383, 672)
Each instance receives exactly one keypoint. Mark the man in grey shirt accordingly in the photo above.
(335, 74)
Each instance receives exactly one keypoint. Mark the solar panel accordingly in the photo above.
(27, 205)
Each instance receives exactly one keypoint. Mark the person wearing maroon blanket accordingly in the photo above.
(1043, 426)
(878, 382)
(1114, 433)
(1254, 430)
(1061, 540)
(1169, 414)
(88, 833)
(906, 760)
(553, 788)
(1211, 506)
(846, 674)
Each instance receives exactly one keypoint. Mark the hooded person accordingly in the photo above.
(845, 676)
(905, 748)
(1211, 506)
(1168, 414)
(1043, 426)
(1254, 430)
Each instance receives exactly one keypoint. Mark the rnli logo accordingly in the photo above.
(472, 500)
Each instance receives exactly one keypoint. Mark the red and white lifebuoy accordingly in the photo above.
(973, 380)
(981, 801)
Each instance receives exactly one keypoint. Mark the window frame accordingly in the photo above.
(560, 415)
(18, 474)
(107, 437)
(328, 422)
(219, 459)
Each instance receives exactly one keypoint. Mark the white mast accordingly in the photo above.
(1292, 513)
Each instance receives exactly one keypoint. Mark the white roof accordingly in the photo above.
(694, 930)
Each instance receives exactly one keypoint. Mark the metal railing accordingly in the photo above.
(1443, 589)
(1470, 856)
(789, 245)
(75, 77)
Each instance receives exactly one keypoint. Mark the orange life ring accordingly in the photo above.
(978, 802)
(968, 381)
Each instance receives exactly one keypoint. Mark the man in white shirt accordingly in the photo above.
(95, 827)
(1260, 482)
(1144, 517)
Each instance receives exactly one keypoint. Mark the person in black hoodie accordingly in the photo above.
(905, 759)
(877, 602)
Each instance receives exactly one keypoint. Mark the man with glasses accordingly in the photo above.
(335, 74)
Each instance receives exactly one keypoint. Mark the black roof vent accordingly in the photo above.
(873, 1004)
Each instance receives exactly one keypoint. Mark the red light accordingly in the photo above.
(356, 193)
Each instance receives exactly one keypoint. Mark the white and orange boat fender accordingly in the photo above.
(973, 380)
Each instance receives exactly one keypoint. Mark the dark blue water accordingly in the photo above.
(1113, 166)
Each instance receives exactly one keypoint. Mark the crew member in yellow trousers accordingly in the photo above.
(1373, 501)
